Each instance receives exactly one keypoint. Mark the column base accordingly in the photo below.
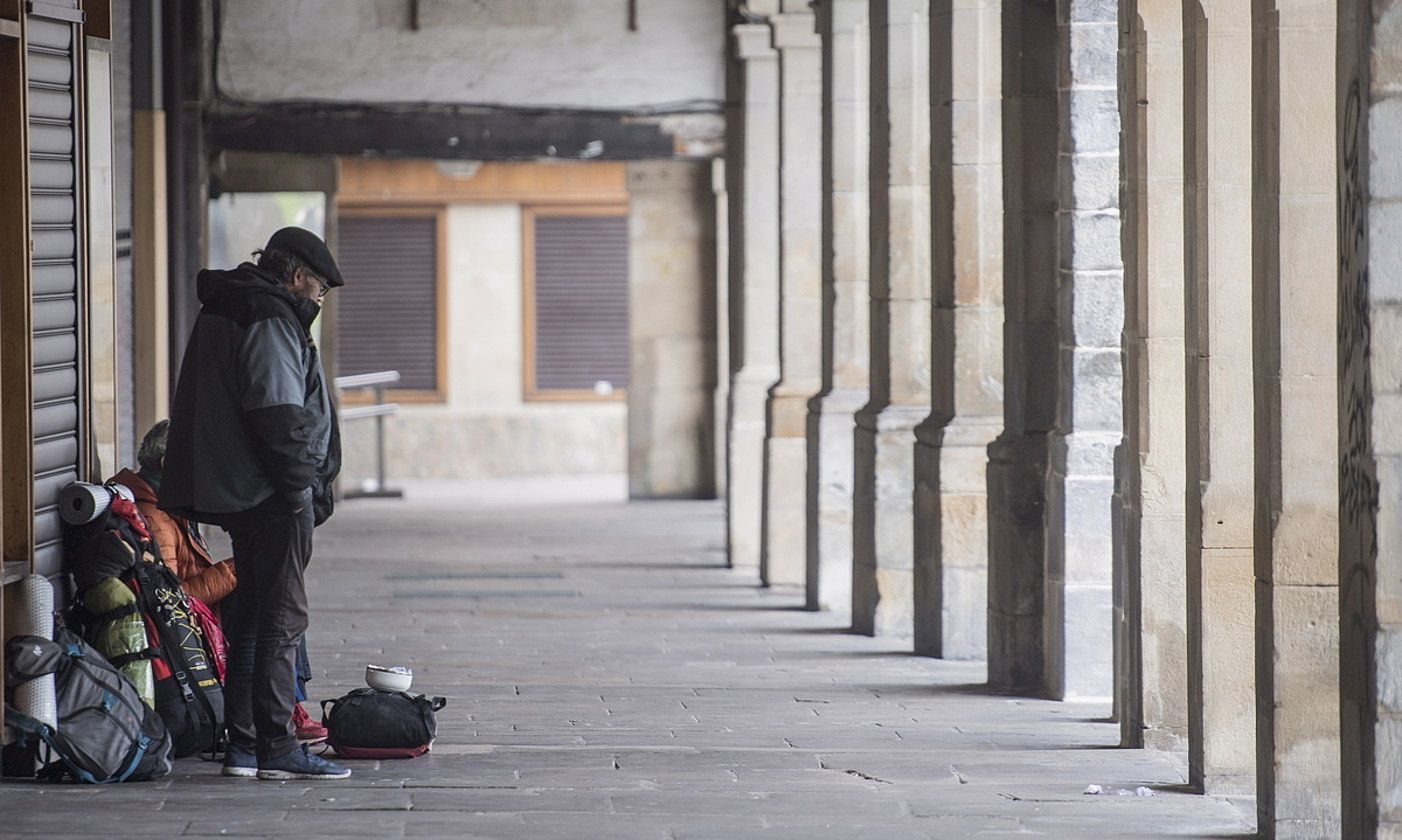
(951, 537)
(1080, 610)
(784, 555)
(1017, 465)
(883, 525)
(831, 430)
(745, 496)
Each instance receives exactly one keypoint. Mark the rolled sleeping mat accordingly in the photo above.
(80, 503)
(36, 698)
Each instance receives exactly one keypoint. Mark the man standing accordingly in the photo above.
(253, 447)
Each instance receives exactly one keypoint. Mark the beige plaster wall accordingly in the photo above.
(672, 330)
(484, 428)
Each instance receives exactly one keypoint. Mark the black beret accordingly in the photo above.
(307, 246)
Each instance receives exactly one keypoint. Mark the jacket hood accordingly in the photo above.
(221, 288)
(138, 486)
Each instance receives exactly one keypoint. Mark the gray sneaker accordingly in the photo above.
(300, 764)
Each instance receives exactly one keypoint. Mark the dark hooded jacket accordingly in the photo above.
(252, 419)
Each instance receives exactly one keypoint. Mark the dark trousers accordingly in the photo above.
(265, 619)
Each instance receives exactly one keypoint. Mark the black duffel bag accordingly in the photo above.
(370, 723)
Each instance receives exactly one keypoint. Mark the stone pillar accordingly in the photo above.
(721, 401)
(883, 525)
(1151, 610)
(783, 557)
(845, 320)
(1079, 550)
(1221, 580)
(1370, 432)
(1017, 459)
(951, 487)
(754, 276)
(1296, 436)
(671, 303)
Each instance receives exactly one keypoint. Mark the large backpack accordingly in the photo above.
(105, 732)
(189, 696)
(187, 691)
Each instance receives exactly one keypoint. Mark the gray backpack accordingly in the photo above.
(105, 732)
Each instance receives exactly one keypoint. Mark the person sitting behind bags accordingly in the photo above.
(182, 548)
(186, 553)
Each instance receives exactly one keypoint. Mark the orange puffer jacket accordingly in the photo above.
(181, 548)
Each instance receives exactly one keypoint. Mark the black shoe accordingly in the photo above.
(300, 764)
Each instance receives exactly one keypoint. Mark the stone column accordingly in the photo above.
(845, 320)
(1151, 579)
(721, 401)
(883, 525)
(1220, 504)
(783, 557)
(1079, 551)
(966, 411)
(755, 278)
(1017, 459)
(1296, 543)
(1370, 433)
(670, 388)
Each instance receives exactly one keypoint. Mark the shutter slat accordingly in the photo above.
(50, 140)
(51, 174)
(581, 302)
(53, 279)
(51, 210)
(55, 454)
(52, 421)
(388, 309)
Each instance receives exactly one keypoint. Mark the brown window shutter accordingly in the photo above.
(581, 302)
(388, 309)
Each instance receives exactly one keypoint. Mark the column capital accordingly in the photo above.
(795, 31)
(753, 41)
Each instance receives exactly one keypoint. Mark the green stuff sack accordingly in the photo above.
(120, 633)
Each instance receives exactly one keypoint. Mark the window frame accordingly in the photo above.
(529, 392)
(439, 213)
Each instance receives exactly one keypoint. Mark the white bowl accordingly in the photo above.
(388, 679)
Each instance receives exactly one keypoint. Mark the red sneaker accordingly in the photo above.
(308, 730)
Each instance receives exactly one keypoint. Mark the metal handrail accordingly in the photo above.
(366, 380)
(379, 410)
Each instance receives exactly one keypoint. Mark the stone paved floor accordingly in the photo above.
(609, 678)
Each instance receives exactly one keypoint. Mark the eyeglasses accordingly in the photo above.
(321, 284)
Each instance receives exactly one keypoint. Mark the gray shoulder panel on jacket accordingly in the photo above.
(270, 365)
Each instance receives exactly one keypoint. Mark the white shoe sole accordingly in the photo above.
(288, 775)
(241, 772)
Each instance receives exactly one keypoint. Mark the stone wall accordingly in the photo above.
(527, 52)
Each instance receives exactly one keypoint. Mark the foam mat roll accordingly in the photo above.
(80, 503)
(36, 698)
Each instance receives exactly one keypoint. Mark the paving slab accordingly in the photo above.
(607, 676)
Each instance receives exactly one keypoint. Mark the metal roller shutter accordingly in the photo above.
(387, 315)
(581, 302)
(57, 317)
